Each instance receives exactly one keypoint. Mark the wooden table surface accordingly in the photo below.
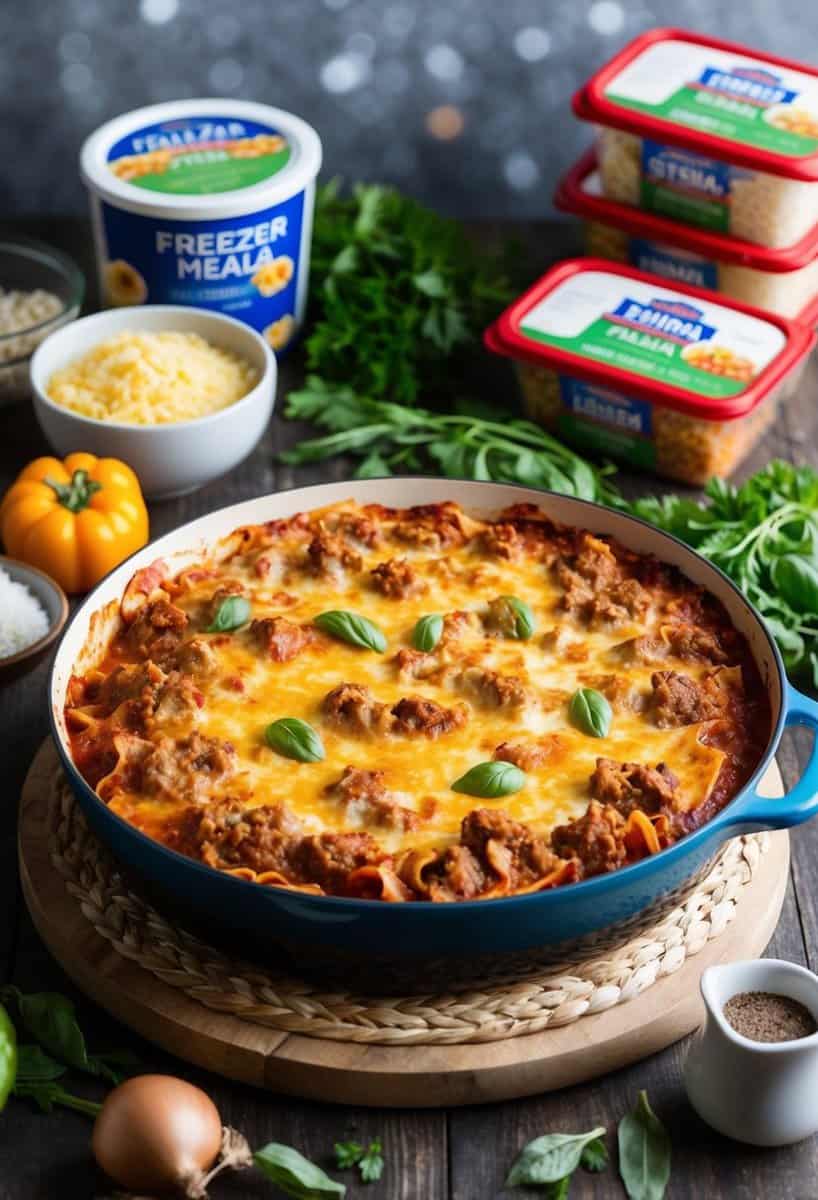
(430, 1155)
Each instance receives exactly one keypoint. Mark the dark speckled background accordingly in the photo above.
(381, 80)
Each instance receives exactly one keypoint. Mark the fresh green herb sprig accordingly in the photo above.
(398, 294)
(369, 1160)
(35, 1071)
(51, 1020)
(478, 442)
(490, 780)
(550, 1161)
(764, 535)
(293, 738)
(590, 711)
(352, 628)
(644, 1152)
(427, 632)
(295, 1175)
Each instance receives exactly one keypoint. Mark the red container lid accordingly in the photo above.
(613, 325)
(574, 195)
(713, 97)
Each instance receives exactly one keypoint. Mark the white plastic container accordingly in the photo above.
(782, 281)
(708, 132)
(620, 363)
(207, 203)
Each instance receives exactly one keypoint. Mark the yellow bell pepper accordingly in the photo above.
(76, 520)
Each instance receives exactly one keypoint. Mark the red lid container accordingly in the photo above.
(660, 375)
(713, 97)
(588, 298)
(573, 196)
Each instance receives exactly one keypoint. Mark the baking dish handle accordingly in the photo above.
(801, 802)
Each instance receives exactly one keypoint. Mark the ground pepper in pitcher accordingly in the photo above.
(768, 1017)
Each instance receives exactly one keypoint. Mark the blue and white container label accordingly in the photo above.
(605, 421)
(687, 186)
(683, 266)
(206, 203)
(246, 267)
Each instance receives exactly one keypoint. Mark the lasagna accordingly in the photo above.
(418, 704)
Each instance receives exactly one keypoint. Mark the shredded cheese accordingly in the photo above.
(152, 379)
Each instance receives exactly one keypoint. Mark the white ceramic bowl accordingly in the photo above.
(169, 459)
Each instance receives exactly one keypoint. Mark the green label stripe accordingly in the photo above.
(205, 171)
(602, 439)
(723, 116)
(684, 206)
(642, 353)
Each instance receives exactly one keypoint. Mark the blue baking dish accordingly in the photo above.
(392, 943)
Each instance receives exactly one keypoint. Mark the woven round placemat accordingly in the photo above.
(506, 1007)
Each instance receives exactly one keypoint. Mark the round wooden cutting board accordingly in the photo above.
(355, 1073)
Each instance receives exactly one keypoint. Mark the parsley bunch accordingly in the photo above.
(398, 295)
(764, 535)
(473, 442)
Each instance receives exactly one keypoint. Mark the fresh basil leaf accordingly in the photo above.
(550, 1158)
(490, 780)
(33, 1064)
(9, 1056)
(524, 622)
(371, 1164)
(353, 628)
(233, 612)
(295, 1175)
(50, 1018)
(294, 738)
(590, 712)
(427, 632)
(797, 580)
(644, 1152)
(594, 1156)
(347, 1154)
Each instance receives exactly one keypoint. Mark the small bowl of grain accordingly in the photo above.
(33, 611)
(180, 394)
(41, 290)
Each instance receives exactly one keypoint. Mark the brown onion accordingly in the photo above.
(157, 1133)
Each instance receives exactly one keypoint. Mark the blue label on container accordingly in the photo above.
(672, 264)
(607, 406)
(244, 266)
(687, 186)
(603, 421)
(684, 170)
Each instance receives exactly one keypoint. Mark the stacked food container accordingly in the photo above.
(705, 174)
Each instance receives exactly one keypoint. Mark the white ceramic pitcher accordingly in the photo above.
(764, 1093)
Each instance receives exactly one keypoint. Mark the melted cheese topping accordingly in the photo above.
(414, 766)
(562, 654)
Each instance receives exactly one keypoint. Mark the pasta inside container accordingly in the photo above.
(680, 446)
(753, 205)
(709, 133)
(787, 293)
(784, 282)
(617, 363)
